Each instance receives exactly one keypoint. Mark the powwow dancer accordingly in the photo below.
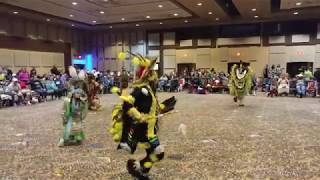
(134, 122)
(75, 109)
(241, 82)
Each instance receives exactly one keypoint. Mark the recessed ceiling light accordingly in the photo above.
(148, 17)
(217, 19)
(176, 14)
(296, 13)
(256, 16)
(298, 3)
(137, 25)
(210, 12)
(105, 0)
(122, 19)
(74, 3)
(199, 4)
(72, 25)
(254, 9)
(94, 21)
(71, 15)
(101, 12)
(160, 22)
(186, 21)
(110, 27)
(160, 6)
(48, 19)
(15, 12)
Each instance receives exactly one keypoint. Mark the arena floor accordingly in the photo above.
(269, 138)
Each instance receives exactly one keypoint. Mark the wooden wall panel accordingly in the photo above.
(106, 39)
(186, 43)
(6, 57)
(300, 38)
(42, 31)
(133, 38)
(52, 33)
(108, 52)
(169, 59)
(238, 41)
(203, 58)
(141, 37)
(58, 59)
(169, 38)
(301, 53)
(126, 38)
(154, 53)
(4, 25)
(113, 39)
(185, 56)
(277, 39)
(47, 59)
(204, 42)
(18, 28)
(318, 32)
(21, 58)
(36, 59)
(31, 30)
(62, 34)
(154, 39)
(119, 39)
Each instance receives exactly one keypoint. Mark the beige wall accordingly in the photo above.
(217, 58)
(258, 57)
(285, 54)
(42, 61)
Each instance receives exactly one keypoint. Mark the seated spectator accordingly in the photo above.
(61, 91)
(273, 91)
(14, 90)
(39, 88)
(26, 93)
(163, 81)
(300, 85)
(33, 73)
(283, 85)
(51, 88)
(308, 74)
(54, 70)
(24, 75)
(182, 83)
(8, 73)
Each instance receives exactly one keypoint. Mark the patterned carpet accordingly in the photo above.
(269, 138)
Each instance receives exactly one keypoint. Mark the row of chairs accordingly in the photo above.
(37, 91)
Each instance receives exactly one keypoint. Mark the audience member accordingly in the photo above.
(24, 75)
(14, 90)
(33, 73)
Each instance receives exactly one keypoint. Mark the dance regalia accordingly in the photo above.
(93, 88)
(75, 110)
(135, 120)
(240, 82)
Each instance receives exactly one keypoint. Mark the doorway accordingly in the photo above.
(185, 66)
(294, 68)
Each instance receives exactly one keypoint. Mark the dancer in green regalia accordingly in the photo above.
(240, 82)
